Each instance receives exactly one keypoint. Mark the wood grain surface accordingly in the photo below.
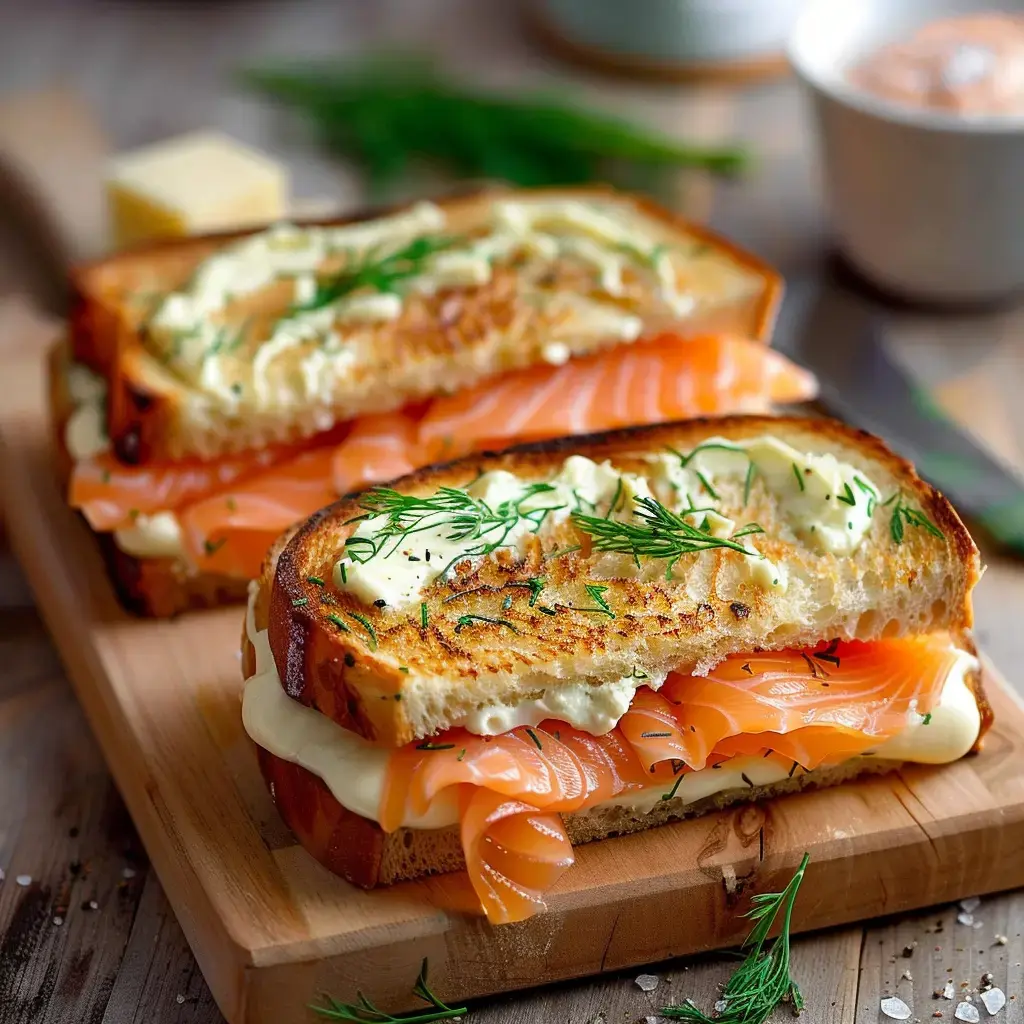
(271, 928)
(148, 70)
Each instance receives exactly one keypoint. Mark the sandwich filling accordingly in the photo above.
(753, 721)
(220, 516)
(485, 315)
(509, 770)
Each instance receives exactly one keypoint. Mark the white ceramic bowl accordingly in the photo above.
(926, 204)
(676, 31)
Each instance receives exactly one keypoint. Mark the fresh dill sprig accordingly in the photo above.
(903, 515)
(659, 533)
(469, 519)
(377, 271)
(365, 1012)
(763, 980)
(596, 594)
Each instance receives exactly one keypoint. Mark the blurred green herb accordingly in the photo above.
(388, 111)
(380, 272)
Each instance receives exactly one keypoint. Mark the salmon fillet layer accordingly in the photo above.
(508, 791)
(219, 517)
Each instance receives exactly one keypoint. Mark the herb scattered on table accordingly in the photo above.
(389, 111)
(364, 1011)
(763, 980)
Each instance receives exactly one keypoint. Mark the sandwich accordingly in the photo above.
(215, 390)
(488, 662)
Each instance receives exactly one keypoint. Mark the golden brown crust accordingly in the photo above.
(144, 410)
(363, 682)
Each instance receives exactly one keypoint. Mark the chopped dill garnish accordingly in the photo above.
(558, 553)
(799, 477)
(315, 580)
(847, 497)
(376, 271)
(338, 621)
(659, 533)
(927, 720)
(903, 515)
(213, 546)
(763, 980)
(616, 498)
(675, 786)
(533, 736)
(748, 482)
(706, 484)
(344, 572)
(468, 620)
(298, 602)
(596, 593)
(423, 615)
(365, 623)
(427, 745)
(866, 488)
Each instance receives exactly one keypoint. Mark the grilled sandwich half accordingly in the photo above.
(214, 390)
(491, 660)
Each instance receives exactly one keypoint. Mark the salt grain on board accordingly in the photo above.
(647, 982)
(949, 991)
(895, 1008)
(994, 1000)
(967, 1012)
(965, 918)
(721, 1005)
(24, 880)
(970, 904)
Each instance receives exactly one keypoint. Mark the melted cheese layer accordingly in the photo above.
(353, 769)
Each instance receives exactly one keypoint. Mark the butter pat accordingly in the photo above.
(203, 181)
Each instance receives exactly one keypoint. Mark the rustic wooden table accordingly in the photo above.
(86, 933)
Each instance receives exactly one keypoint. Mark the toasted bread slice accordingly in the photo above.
(204, 353)
(154, 587)
(476, 640)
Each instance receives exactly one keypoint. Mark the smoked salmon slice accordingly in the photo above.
(379, 447)
(656, 381)
(110, 494)
(849, 695)
(231, 510)
(231, 531)
(807, 707)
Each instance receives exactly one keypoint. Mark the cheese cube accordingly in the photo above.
(203, 181)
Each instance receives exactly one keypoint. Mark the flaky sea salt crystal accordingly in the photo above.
(970, 904)
(967, 1012)
(24, 880)
(949, 991)
(994, 1000)
(647, 982)
(965, 918)
(894, 1007)
(720, 1005)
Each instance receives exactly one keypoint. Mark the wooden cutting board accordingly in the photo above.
(272, 929)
